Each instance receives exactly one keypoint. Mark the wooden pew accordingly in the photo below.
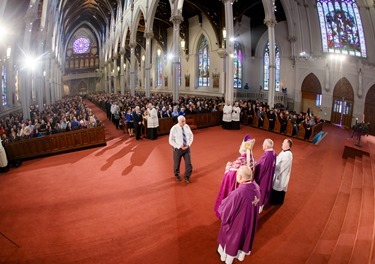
(56, 143)
(266, 123)
(255, 121)
(315, 129)
(301, 131)
(277, 127)
(289, 128)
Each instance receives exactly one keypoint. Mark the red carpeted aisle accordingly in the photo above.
(121, 204)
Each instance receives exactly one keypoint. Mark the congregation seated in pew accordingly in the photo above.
(280, 120)
(69, 113)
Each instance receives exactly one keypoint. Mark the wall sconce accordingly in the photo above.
(118, 68)
(304, 55)
(143, 57)
(224, 37)
(183, 44)
(158, 52)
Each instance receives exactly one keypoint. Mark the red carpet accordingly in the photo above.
(121, 204)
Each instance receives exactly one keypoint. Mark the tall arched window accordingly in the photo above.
(203, 63)
(341, 27)
(159, 69)
(4, 84)
(237, 61)
(266, 67)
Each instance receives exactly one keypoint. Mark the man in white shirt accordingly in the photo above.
(282, 173)
(181, 138)
(152, 122)
(227, 115)
(236, 114)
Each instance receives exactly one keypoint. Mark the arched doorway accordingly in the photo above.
(370, 109)
(311, 94)
(82, 88)
(342, 103)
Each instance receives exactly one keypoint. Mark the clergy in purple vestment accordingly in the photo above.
(264, 171)
(228, 183)
(239, 216)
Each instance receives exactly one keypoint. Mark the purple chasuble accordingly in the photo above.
(263, 175)
(239, 216)
(229, 182)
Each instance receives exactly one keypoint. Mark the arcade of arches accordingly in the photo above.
(211, 48)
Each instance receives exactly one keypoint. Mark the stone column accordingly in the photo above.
(122, 71)
(147, 81)
(105, 78)
(132, 68)
(10, 79)
(25, 76)
(229, 47)
(360, 80)
(47, 83)
(176, 20)
(109, 76)
(1, 83)
(115, 73)
(327, 82)
(272, 67)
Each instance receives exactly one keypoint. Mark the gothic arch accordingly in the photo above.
(342, 103)
(370, 108)
(311, 89)
(311, 84)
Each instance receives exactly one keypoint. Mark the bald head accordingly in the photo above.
(244, 173)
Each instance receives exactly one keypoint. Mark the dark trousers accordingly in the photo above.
(152, 133)
(177, 155)
(138, 130)
(277, 197)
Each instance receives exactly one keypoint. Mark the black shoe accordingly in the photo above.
(178, 178)
(187, 180)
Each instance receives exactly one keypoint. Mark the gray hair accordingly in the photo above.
(269, 143)
(181, 118)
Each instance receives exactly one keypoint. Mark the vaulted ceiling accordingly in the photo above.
(96, 14)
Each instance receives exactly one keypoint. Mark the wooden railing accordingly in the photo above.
(56, 143)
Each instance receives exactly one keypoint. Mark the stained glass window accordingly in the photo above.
(203, 63)
(266, 67)
(81, 45)
(237, 61)
(341, 27)
(4, 84)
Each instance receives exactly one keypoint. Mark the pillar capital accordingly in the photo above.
(177, 19)
(149, 35)
(132, 45)
(270, 22)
